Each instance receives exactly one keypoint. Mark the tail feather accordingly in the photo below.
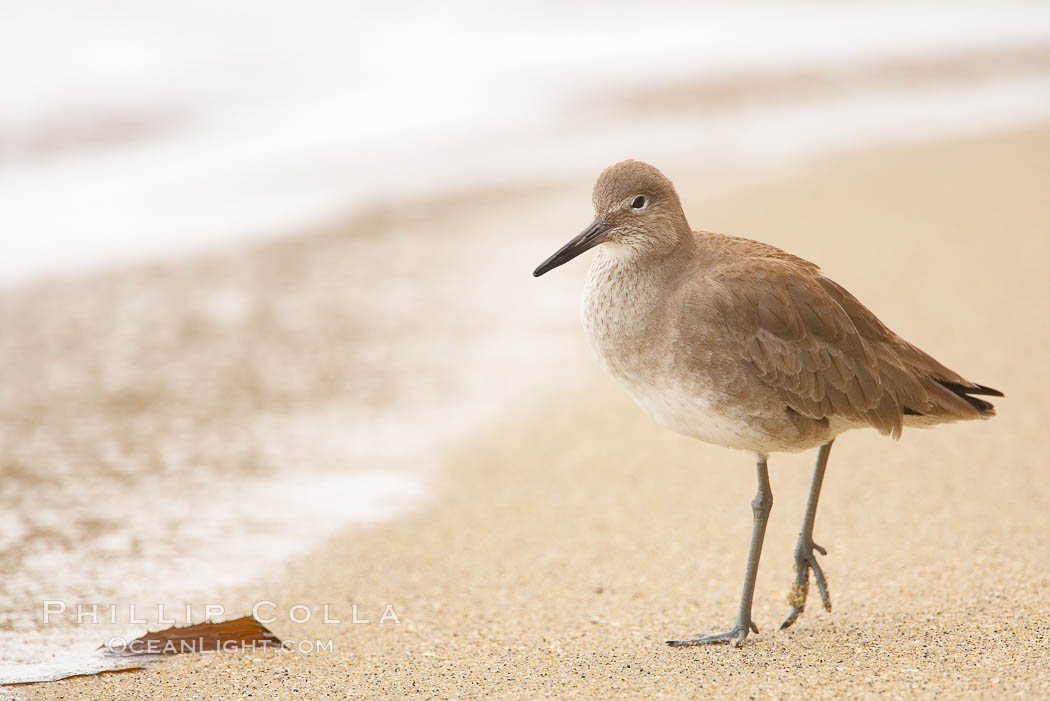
(967, 391)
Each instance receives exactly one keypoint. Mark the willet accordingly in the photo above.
(737, 343)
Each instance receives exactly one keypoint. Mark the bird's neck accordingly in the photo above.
(625, 297)
(636, 263)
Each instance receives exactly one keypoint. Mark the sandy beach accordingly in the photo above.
(564, 543)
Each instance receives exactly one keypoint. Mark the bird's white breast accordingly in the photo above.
(698, 414)
(623, 316)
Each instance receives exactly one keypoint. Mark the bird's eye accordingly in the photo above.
(639, 202)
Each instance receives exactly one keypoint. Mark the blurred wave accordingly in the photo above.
(136, 129)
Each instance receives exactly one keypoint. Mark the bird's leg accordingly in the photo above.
(805, 559)
(760, 505)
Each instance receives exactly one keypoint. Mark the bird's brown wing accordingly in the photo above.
(822, 351)
(940, 392)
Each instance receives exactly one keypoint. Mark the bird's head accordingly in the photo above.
(637, 212)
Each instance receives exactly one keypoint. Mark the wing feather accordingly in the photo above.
(802, 343)
(823, 352)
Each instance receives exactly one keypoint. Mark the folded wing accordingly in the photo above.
(826, 355)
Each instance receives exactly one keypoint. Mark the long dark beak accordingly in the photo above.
(588, 238)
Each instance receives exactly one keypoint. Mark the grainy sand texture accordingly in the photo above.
(564, 543)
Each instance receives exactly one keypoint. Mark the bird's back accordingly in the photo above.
(826, 356)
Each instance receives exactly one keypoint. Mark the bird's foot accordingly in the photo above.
(736, 636)
(806, 560)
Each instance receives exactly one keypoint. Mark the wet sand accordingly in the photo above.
(566, 542)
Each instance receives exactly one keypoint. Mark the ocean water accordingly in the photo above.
(136, 131)
(166, 126)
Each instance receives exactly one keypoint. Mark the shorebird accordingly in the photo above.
(740, 344)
